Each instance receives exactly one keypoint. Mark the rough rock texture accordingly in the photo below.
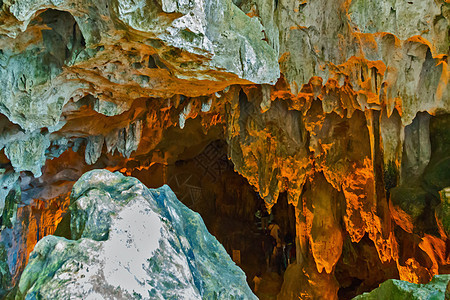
(131, 242)
(51, 54)
(343, 106)
(397, 289)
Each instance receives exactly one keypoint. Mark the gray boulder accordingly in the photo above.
(133, 243)
(399, 289)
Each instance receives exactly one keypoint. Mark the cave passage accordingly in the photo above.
(232, 211)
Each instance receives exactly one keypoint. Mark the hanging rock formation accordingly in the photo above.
(342, 107)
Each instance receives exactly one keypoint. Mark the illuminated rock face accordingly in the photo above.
(342, 105)
(131, 242)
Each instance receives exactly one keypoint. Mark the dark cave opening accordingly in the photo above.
(62, 28)
(359, 269)
(198, 170)
(230, 208)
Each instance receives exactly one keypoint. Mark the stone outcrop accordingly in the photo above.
(437, 288)
(131, 242)
(341, 106)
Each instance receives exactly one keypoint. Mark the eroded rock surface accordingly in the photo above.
(131, 242)
(342, 106)
(397, 289)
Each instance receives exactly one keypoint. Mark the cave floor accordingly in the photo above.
(270, 286)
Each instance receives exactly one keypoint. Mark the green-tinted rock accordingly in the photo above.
(443, 211)
(133, 243)
(437, 175)
(390, 175)
(7, 183)
(10, 209)
(412, 200)
(5, 275)
(93, 149)
(397, 17)
(31, 94)
(416, 148)
(403, 290)
(28, 154)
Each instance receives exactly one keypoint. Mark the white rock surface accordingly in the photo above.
(152, 247)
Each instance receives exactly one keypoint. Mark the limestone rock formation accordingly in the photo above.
(397, 289)
(131, 242)
(339, 108)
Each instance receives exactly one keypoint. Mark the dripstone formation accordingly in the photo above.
(339, 108)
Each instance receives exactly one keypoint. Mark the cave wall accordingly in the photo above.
(341, 105)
